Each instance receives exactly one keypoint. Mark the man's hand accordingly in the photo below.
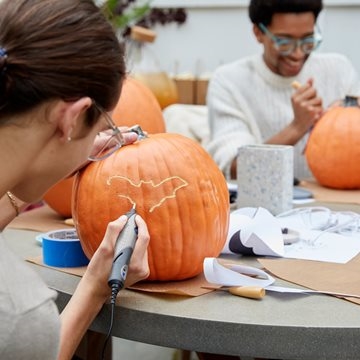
(307, 106)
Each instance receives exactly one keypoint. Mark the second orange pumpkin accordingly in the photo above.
(138, 106)
(333, 148)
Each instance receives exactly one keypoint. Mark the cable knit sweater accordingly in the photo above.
(248, 103)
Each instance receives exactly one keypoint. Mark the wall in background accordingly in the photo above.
(219, 31)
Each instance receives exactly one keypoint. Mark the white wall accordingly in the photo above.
(218, 31)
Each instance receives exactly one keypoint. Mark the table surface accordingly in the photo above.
(285, 326)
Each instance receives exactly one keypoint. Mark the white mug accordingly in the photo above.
(265, 177)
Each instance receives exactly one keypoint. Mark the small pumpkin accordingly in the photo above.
(58, 197)
(178, 190)
(333, 148)
(137, 105)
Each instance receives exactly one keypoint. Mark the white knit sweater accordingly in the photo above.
(248, 103)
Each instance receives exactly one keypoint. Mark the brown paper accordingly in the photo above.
(78, 271)
(42, 219)
(324, 194)
(318, 275)
(191, 287)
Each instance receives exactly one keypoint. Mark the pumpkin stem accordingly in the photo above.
(350, 101)
(139, 131)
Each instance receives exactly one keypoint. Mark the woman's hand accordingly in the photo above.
(129, 138)
(103, 137)
(139, 266)
(93, 290)
(98, 271)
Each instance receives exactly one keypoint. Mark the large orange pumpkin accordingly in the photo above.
(137, 105)
(178, 190)
(333, 148)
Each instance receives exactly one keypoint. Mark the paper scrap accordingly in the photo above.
(254, 230)
(240, 275)
(237, 275)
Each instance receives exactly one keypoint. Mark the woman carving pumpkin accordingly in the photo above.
(61, 70)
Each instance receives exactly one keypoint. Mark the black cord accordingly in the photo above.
(115, 288)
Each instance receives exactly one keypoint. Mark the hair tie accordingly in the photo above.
(3, 52)
(3, 57)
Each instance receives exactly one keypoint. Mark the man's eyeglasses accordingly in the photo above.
(107, 142)
(285, 45)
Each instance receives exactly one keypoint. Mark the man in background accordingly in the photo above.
(277, 96)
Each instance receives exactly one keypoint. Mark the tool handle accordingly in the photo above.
(253, 292)
(123, 250)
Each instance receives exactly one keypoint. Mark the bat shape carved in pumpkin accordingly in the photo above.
(155, 199)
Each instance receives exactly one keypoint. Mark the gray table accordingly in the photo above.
(279, 326)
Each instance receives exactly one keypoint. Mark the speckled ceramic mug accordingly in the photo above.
(265, 177)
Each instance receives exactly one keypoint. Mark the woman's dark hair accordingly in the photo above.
(262, 11)
(57, 49)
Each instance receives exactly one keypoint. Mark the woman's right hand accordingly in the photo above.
(93, 290)
(98, 271)
(139, 266)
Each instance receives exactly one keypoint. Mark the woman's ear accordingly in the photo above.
(258, 34)
(70, 117)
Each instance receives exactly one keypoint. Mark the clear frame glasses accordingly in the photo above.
(108, 141)
(286, 45)
(323, 219)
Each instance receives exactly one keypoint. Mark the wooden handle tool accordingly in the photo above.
(252, 292)
(69, 221)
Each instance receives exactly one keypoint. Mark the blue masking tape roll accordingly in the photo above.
(62, 248)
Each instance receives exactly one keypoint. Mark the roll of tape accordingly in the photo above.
(62, 248)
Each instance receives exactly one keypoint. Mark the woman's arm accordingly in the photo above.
(93, 290)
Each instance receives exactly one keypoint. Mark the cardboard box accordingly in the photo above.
(191, 91)
(200, 92)
(186, 90)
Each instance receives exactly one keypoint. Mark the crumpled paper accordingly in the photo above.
(254, 231)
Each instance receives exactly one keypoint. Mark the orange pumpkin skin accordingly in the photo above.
(58, 197)
(179, 192)
(333, 148)
(138, 106)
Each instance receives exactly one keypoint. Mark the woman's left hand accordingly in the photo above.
(129, 138)
(100, 140)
